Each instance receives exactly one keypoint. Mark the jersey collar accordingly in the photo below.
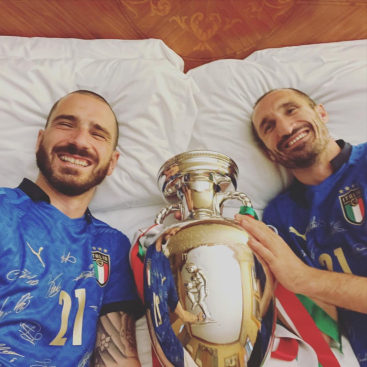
(33, 191)
(297, 190)
(37, 194)
(343, 156)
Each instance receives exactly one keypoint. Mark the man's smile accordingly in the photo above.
(297, 138)
(74, 161)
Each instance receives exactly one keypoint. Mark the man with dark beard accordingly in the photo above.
(319, 222)
(62, 270)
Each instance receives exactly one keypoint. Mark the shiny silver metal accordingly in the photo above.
(209, 302)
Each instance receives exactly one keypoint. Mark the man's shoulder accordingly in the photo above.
(98, 226)
(279, 205)
(15, 196)
(359, 151)
(282, 198)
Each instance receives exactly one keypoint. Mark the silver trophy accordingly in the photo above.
(209, 301)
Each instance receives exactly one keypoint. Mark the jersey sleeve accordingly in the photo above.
(120, 293)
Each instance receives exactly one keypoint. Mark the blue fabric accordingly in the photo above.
(36, 285)
(159, 282)
(318, 214)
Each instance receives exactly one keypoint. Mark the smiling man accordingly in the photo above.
(320, 219)
(63, 271)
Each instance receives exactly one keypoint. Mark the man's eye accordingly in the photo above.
(291, 110)
(268, 128)
(67, 124)
(98, 135)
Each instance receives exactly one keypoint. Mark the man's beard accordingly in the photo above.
(67, 181)
(304, 155)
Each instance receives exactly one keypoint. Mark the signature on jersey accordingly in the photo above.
(23, 303)
(45, 363)
(30, 331)
(87, 274)
(25, 274)
(4, 313)
(7, 350)
(68, 258)
(54, 288)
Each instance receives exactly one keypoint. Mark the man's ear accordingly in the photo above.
(39, 139)
(321, 112)
(113, 162)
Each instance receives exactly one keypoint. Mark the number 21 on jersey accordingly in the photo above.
(66, 302)
(326, 260)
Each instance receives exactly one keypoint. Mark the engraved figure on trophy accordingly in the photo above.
(198, 286)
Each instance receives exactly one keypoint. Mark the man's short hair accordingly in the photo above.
(91, 94)
(305, 96)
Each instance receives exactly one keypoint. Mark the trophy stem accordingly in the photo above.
(197, 191)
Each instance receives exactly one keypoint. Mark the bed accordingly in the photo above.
(175, 76)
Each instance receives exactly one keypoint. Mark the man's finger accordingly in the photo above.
(257, 229)
(261, 251)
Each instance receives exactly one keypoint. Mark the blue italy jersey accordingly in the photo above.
(56, 274)
(326, 226)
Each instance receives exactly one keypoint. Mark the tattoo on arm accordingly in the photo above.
(116, 342)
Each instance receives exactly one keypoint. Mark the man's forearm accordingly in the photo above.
(339, 289)
(116, 342)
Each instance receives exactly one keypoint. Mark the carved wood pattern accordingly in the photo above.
(198, 30)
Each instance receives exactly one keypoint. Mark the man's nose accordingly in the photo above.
(284, 126)
(80, 138)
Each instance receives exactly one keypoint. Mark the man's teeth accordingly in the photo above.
(78, 162)
(300, 136)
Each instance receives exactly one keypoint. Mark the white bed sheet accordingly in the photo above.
(347, 50)
(68, 48)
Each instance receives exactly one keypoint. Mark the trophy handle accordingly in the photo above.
(221, 198)
(162, 215)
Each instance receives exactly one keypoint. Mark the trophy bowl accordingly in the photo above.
(209, 301)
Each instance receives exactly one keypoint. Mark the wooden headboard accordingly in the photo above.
(198, 30)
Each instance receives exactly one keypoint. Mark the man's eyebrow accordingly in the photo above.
(285, 105)
(100, 128)
(288, 104)
(66, 117)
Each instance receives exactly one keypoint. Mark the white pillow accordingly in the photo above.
(61, 48)
(152, 99)
(229, 89)
(347, 50)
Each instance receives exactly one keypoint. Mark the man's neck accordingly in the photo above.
(72, 206)
(321, 169)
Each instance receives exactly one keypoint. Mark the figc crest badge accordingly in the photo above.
(352, 205)
(101, 262)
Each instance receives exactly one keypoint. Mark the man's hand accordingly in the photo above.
(338, 289)
(270, 248)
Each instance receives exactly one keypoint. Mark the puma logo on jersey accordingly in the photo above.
(38, 254)
(293, 230)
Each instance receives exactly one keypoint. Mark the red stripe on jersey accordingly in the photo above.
(361, 206)
(106, 272)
